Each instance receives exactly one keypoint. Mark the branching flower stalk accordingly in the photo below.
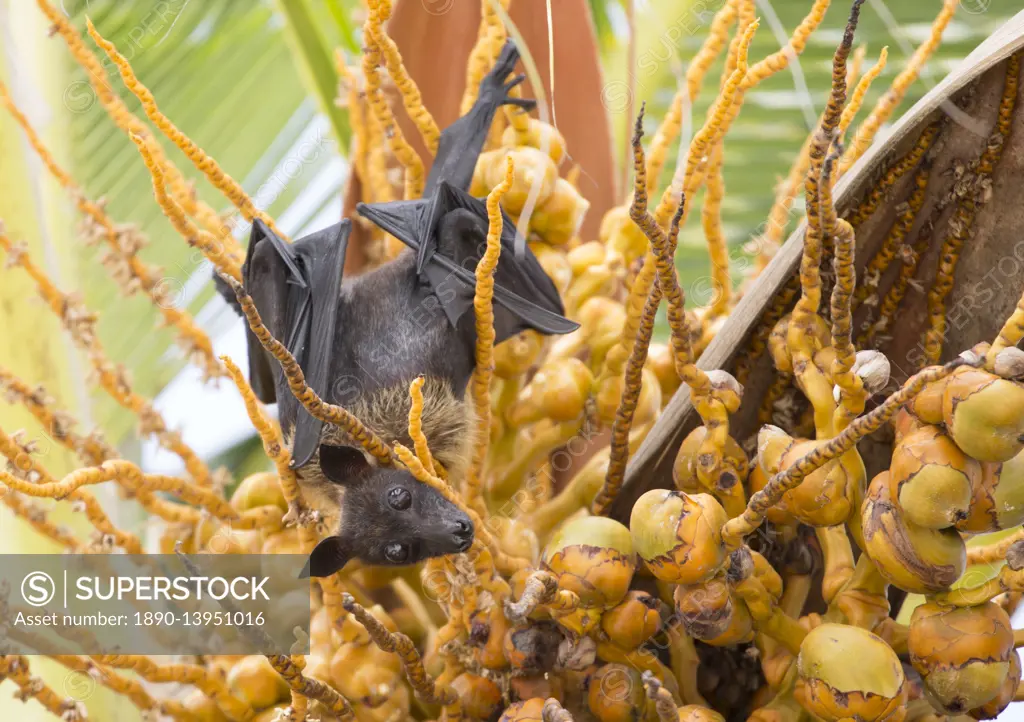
(124, 264)
(80, 324)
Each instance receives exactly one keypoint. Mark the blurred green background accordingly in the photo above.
(252, 82)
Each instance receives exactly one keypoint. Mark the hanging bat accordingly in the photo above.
(361, 341)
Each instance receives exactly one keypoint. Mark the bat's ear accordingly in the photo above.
(342, 464)
(328, 557)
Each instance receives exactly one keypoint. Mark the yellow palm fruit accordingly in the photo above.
(984, 414)
(684, 471)
(661, 361)
(267, 715)
(592, 556)
(706, 608)
(678, 535)
(826, 496)
(539, 133)
(998, 499)
(526, 711)
(558, 219)
(203, 708)
(285, 541)
(778, 343)
(1005, 695)
(481, 698)
(555, 264)
(932, 479)
(518, 540)
(927, 404)
(758, 479)
(698, 713)
(256, 682)
(632, 621)
(262, 489)
(396, 706)
(586, 255)
(558, 391)
(601, 320)
(363, 673)
(531, 166)
(916, 559)
(616, 694)
(849, 673)
(618, 232)
(648, 405)
(534, 686)
(602, 279)
(515, 355)
(962, 653)
(904, 423)
(491, 654)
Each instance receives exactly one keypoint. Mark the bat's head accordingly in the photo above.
(388, 517)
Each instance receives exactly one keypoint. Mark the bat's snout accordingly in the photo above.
(462, 531)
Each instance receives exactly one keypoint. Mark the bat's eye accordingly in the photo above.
(399, 498)
(396, 553)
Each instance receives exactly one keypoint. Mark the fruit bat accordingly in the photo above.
(361, 341)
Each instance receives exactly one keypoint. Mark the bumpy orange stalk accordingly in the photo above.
(128, 270)
(80, 324)
(209, 684)
(718, 249)
(118, 112)
(966, 211)
(857, 99)
(217, 253)
(490, 38)
(311, 688)
(129, 688)
(619, 454)
(894, 96)
(734, 530)
(227, 185)
(419, 440)
(15, 668)
(699, 65)
(426, 688)
(410, 93)
(328, 413)
(36, 477)
(410, 160)
(483, 305)
(35, 516)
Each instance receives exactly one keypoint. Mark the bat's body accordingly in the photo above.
(362, 341)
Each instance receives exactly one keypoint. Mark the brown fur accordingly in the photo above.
(448, 424)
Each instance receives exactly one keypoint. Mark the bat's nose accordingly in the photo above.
(462, 530)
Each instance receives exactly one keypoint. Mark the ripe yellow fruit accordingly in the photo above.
(848, 672)
(618, 232)
(254, 680)
(539, 133)
(684, 471)
(661, 360)
(616, 694)
(984, 414)
(826, 496)
(592, 556)
(698, 713)
(558, 219)
(778, 343)
(932, 479)
(203, 708)
(706, 608)
(632, 621)
(555, 264)
(758, 479)
(481, 698)
(1007, 691)
(558, 391)
(531, 166)
(962, 653)
(517, 354)
(914, 558)
(998, 499)
(678, 535)
(262, 489)
(526, 711)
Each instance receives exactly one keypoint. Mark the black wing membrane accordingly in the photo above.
(462, 142)
(524, 295)
(296, 288)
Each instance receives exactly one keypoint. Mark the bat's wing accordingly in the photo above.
(524, 295)
(322, 255)
(278, 286)
(462, 142)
